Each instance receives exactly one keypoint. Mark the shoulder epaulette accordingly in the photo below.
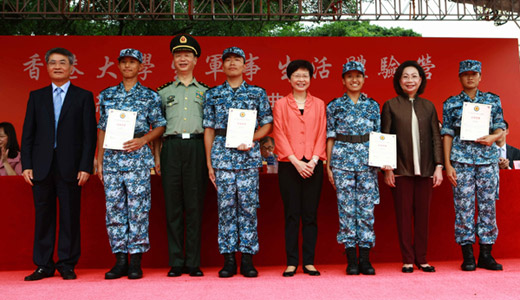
(165, 85)
(204, 85)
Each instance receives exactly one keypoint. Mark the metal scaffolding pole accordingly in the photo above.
(499, 11)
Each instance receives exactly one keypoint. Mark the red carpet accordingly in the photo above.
(389, 283)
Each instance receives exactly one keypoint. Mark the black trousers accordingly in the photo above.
(184, 177)
(69, 195)
(412, 197)
(300, 199)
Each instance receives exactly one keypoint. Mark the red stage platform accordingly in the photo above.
(17, 225)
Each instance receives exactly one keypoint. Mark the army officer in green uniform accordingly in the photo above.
(182, 160)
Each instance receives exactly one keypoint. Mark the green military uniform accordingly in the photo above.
(183, 168)
(183, 162)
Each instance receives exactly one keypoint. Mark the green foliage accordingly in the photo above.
(343, 28)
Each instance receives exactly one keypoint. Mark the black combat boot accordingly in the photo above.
(352, 261)
(120, 269)
(364, 262)
(485, 260)
(469, 260)
(134, 270)
(246, 266)
(230, 266)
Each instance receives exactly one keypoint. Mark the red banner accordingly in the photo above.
(267, 58)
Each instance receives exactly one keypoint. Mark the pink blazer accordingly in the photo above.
(302, 135)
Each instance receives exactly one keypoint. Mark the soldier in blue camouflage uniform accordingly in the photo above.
(126, 173)
(472, 168)
(234, 172)
(350, 119)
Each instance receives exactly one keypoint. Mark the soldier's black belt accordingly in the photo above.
(221, 132)
(185, 136)
(139, 135)
(353, 138)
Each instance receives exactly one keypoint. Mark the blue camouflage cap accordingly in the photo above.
(233, 50)
(353, 66)
(129, 52)
(470, 66)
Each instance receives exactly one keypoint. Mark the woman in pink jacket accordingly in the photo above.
(300, 135)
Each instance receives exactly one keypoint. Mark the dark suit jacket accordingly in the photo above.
(76, 134)
(396, 118)
(512, 153)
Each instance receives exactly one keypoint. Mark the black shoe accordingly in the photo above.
(175, 272)
(120, 269)
(195, 272)
(352, 261)
(230, 266)
(38, 275)
(486, 261)
(365, 267)
(289, 273)
(311, 272)
(468, 263)
(68, 274)
(428, 269)
(246, 266)
(407, 270)
(134, 269)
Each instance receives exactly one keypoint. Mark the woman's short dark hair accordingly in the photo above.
(399, 73)
(299, 64)
(12, 141)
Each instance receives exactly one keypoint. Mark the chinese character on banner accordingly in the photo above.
(388, 67)
(147, 65)
(75, 69)
(251, 67)
(426, 64)
(283, 67)
(322, 69)
(273, 98)
(175, 71)
(215, 65)
(33, 66)
(104, 69)
(360, 59)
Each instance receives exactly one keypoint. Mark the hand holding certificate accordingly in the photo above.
(382, 150)
(120, 128)
(240, 127)
(475, 121)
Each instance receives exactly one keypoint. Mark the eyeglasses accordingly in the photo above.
(268, 148)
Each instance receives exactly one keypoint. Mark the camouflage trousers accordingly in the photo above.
(357, 193)
(237, 203)
(128, 202)
(482, 181)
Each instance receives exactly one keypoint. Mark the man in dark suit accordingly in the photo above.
(58, 146)
(507, 153)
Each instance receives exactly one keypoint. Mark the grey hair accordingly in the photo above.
(61, 51)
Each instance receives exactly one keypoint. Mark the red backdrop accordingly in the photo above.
(17, 226)
(267, 57)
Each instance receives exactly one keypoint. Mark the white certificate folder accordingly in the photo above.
(475, 121)
(120, 128)
(240, 128)
(382, 150)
